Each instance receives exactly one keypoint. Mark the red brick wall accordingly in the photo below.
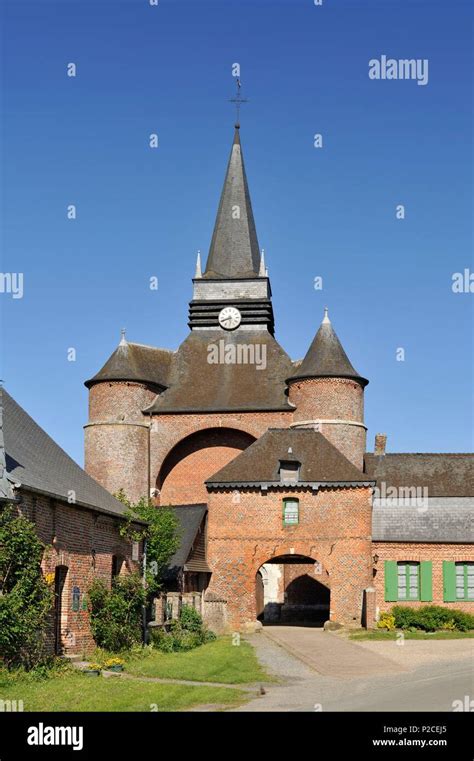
(182, 476)
(187, 483)
(418, 552)
(333, 399)
(334, 529)
(116, 437)
(76, 533)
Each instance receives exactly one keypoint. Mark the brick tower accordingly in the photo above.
(328, 394)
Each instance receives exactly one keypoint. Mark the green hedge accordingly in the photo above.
(431, 618)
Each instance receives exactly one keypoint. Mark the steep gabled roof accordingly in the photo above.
(320, 461)
(36, 462)
(190, 519)
(234, 251)
(443, 475)
(136, 362)
(326, 357)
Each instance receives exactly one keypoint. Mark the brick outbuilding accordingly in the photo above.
(75, 517)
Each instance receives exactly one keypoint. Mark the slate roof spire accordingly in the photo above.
(326, 357)
(234, 250)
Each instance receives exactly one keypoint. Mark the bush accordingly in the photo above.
(25, 598)
(190, 619)
(116, 613)
(185, 633)
(386, 621)
(432, 618)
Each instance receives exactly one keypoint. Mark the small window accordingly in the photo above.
(135, 551)
(290, 512)
(408, 578)
(464, 581)
(289, 471)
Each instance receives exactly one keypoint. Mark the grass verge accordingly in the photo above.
(72, 691)
(218, 661)
(381, 635)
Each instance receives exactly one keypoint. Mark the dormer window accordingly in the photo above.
(289, 471)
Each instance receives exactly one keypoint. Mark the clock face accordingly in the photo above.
(229, 318)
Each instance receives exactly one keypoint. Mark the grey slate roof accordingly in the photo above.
(136, 362)
(440, 519)
(35, 461)
(234, 250)
(320, 461)
(443, 475)
(442, 508)
(190, 518)
(195, 385)
(326, 358)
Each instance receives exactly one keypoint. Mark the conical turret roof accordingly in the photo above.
(326, 357)
(234, 251)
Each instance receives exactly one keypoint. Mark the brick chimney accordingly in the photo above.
(380, 444)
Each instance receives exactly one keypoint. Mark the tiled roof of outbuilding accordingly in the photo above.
(190, 518)
(439, 519)
(35, 461)
(443, 475)
(320, 461)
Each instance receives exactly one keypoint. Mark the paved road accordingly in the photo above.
(432, 686)
(330, 654)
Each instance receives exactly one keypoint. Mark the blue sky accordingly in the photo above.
(326, 212)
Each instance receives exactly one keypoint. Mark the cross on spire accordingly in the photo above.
(238, 100)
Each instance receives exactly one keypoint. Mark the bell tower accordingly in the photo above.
(235, 278)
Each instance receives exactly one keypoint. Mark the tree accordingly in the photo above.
(25, 598)
(160, 533)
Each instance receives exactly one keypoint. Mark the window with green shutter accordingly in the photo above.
(426, 581)
(464, 574)
(449, 581)
(408, 581)
(390, 573)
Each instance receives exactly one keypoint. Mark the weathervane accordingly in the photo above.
(238, 100)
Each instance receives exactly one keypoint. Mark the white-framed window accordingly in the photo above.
(291, 509)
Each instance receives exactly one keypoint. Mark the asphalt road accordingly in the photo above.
(432, 686)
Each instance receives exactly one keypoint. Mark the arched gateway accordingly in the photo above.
(292, 589)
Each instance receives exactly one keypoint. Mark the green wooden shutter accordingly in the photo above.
(449, 581)
(391, 581)
(426, 584)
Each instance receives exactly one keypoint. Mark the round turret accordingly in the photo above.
(328, 394)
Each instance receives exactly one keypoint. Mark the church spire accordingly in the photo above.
(234, 250)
